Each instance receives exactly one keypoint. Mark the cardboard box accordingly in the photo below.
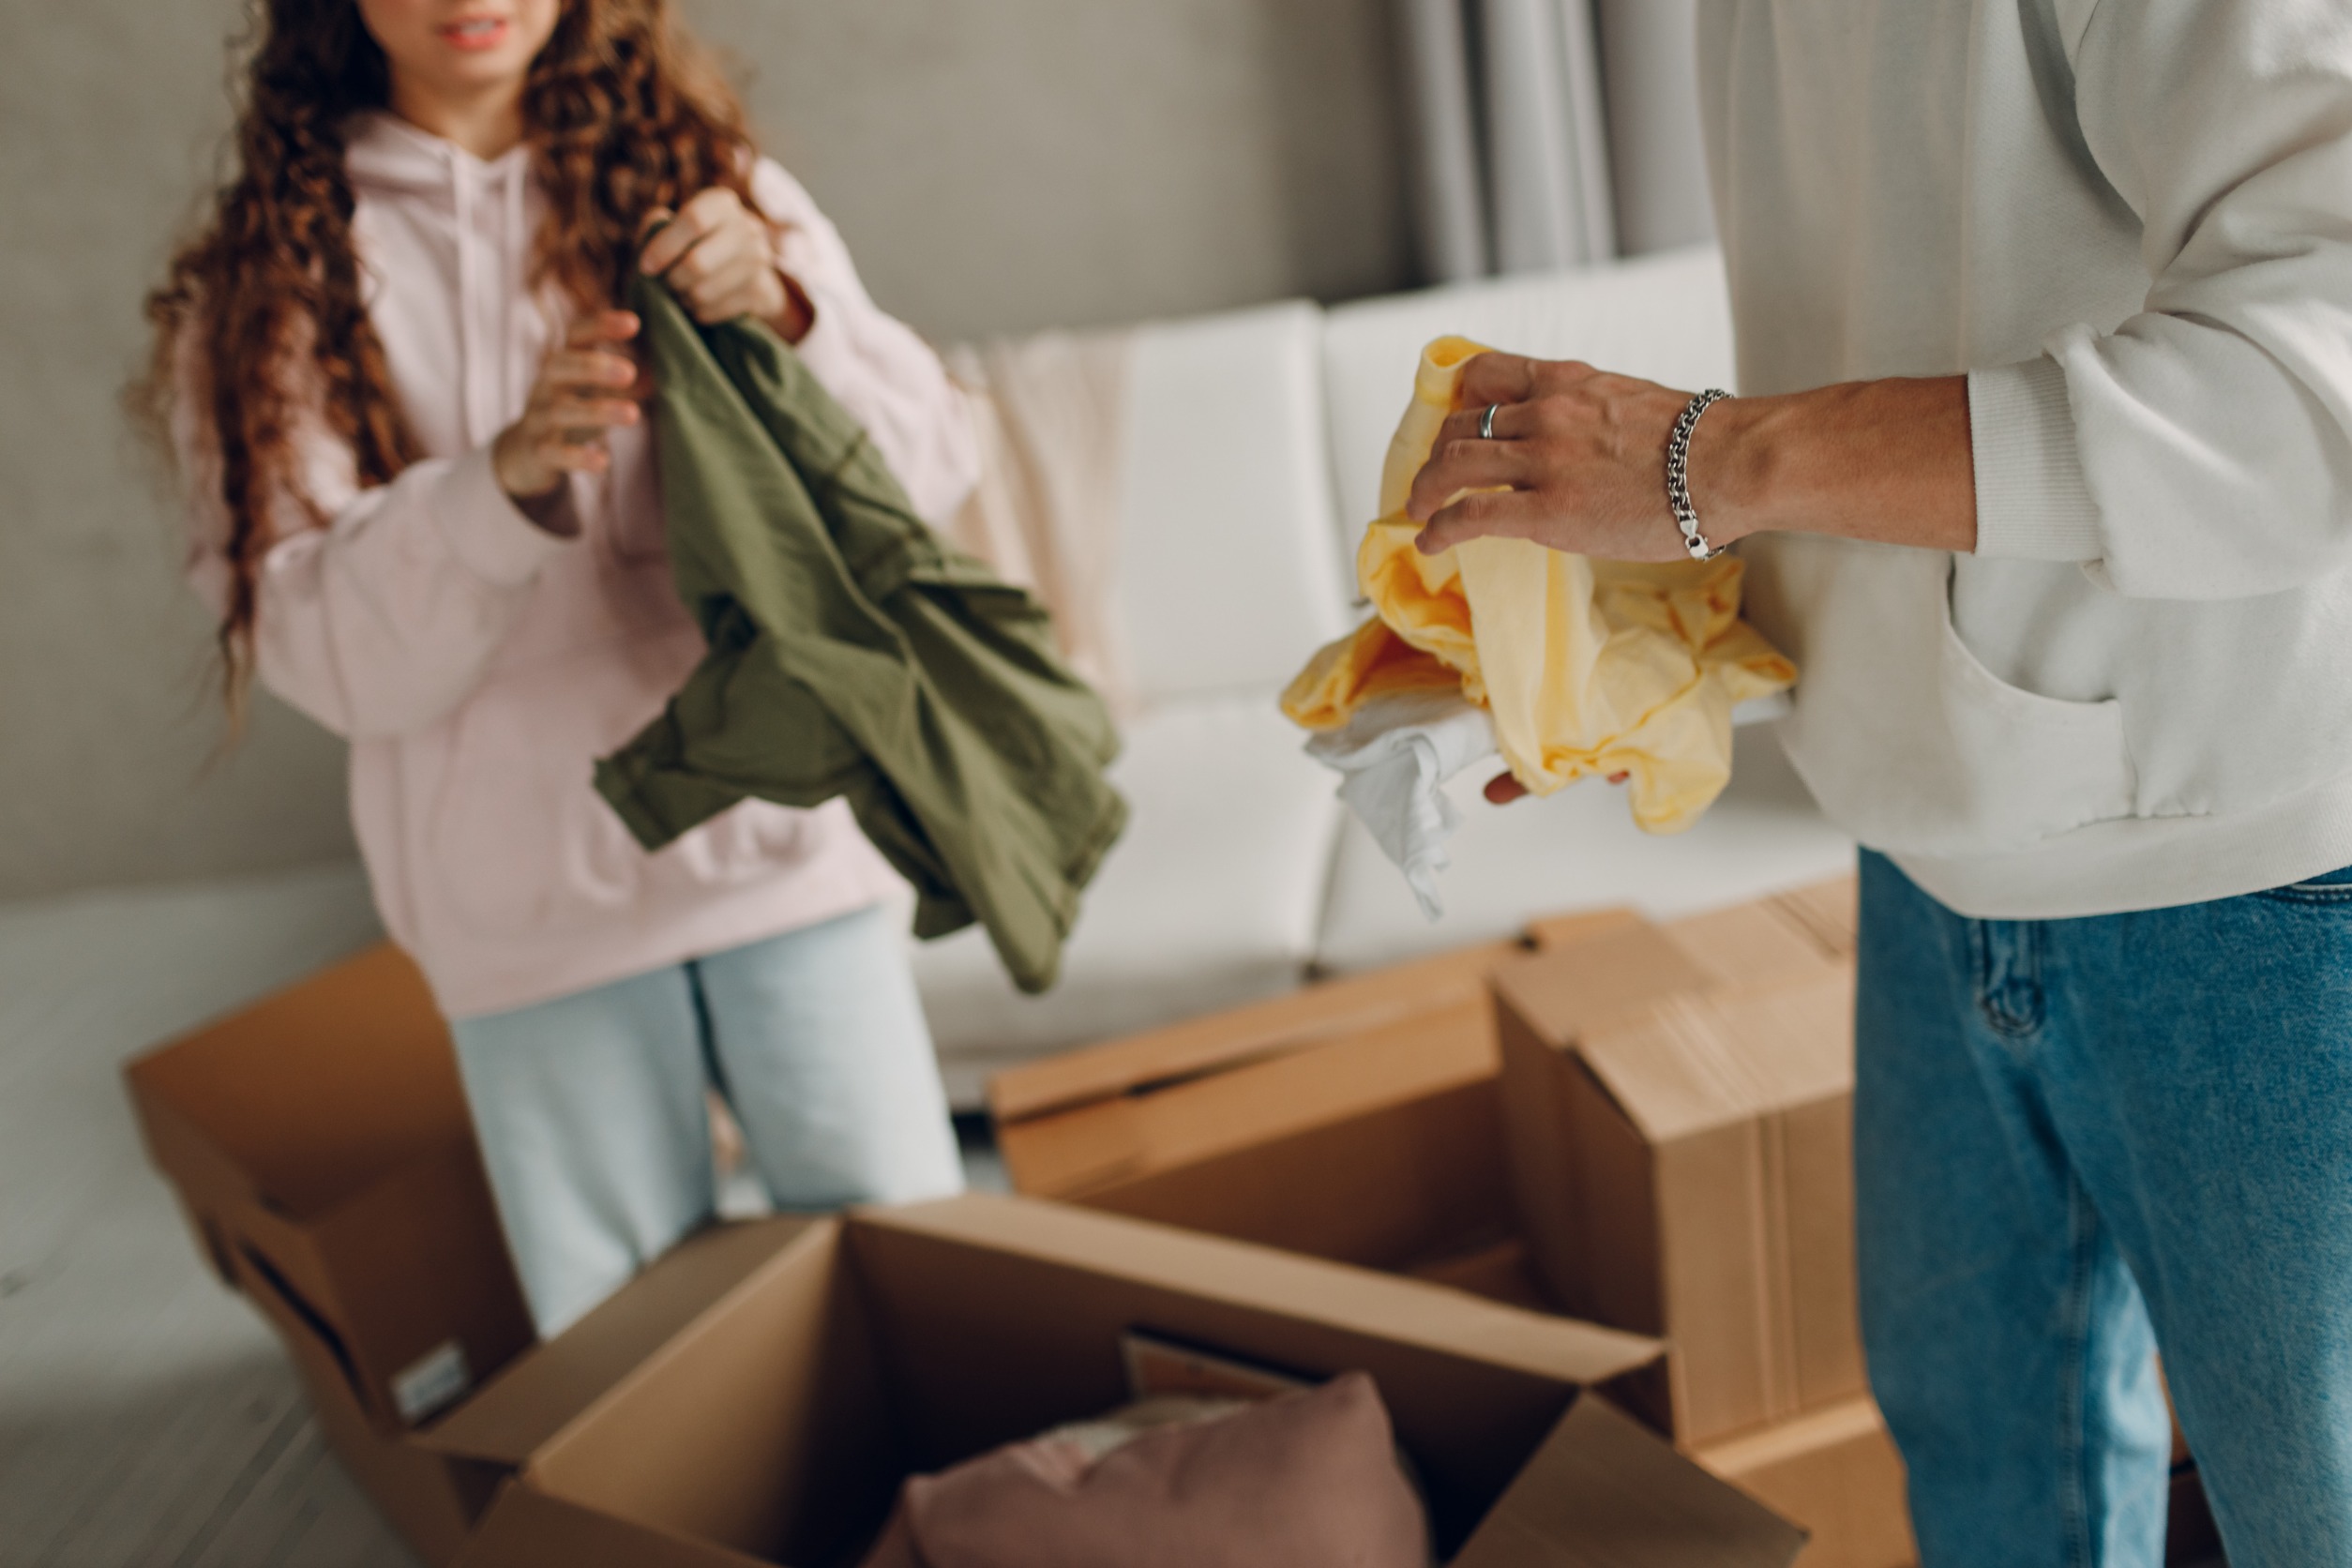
(435, 1497)
(1835, 1471)
(320, 1145)
(431, 1500)
(777, 1427)
(1355, 1120)
(1678, 1111)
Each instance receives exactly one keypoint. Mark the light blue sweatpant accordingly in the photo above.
(593, 1122)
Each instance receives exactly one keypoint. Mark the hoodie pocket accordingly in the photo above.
(1909, 742)
(518, 837)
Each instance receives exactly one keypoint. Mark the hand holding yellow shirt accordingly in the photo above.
(1587, 667)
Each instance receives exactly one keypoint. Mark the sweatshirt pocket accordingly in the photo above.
(1910, 743)
(516, 833)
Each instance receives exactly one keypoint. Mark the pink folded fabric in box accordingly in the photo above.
(1308, 1480)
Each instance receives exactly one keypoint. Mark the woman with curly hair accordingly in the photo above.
(424, 509)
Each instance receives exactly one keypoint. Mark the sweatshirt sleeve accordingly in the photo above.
(875, 365)
(2202, 448)
(383, 620)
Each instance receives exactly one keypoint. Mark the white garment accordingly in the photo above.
(2132, 226)
(1394, 756)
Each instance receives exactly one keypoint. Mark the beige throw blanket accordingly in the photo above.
(1052, 414)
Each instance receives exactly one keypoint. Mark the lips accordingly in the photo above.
(474, 34)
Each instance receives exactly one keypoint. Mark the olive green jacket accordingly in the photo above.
(855, 654)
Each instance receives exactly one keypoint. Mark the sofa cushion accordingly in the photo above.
(1225, 575)
(1211, 900)
(1666, 318)
(1579, 850)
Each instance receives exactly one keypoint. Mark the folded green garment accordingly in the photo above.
(855, 654)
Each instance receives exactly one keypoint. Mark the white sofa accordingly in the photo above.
(1254, 446)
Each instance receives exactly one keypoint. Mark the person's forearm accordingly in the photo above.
(1888, 460)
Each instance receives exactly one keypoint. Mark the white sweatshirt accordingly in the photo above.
(2130, 221)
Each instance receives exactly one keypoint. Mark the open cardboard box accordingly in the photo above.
(320, 1146)
(1678, 1111)
(1361, 1121)
(778, 1424)
(1355, 1121)
(433, 1496)
(1706, 1126)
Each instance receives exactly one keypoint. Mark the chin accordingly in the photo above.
(475, 71)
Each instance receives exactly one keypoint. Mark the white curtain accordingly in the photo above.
(1649, 68)
(1552, 133)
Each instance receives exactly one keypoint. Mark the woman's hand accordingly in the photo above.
(1577, 464)
(720, 257)
(586, 389)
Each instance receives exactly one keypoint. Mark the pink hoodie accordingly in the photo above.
(479, 665)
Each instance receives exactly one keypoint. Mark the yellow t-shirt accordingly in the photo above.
(1588, 666)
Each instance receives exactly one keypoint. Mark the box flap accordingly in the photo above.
(1074, 1152)
(1848, 1420)
(1701, 1060)
(1565, 930)
(543, 1391)
(1831, 910)
(1603, 1493)
(205, 1174)
(1263, 1279)
(527, 1528)
(1199, 1047)
(1751, 945)
(1559, 994)
(312, 1093)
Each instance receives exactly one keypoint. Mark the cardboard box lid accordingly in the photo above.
(1412, 1055)
(1831, 910)
(1560, 995)
(309, 1096)
(1682, 1046)
(1603, 1493)
(1262, 1278)
(1751, 945)
(529, 1403)
(1693, 1062)
(1845, 1422)
(1201, 1047)
(1299, 1021)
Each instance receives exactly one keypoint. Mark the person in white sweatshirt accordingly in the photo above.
(2043, 470)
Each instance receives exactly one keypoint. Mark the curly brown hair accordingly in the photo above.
(623, 115)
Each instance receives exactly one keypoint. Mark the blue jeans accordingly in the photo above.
(2078, 1141)
(592, 1114)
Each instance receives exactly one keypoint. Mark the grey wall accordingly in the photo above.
(1003, 164)
(108, 111)
(997, 165)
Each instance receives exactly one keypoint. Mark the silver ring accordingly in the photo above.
(1487, 423)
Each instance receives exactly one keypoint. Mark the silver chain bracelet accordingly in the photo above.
(1678, 474)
